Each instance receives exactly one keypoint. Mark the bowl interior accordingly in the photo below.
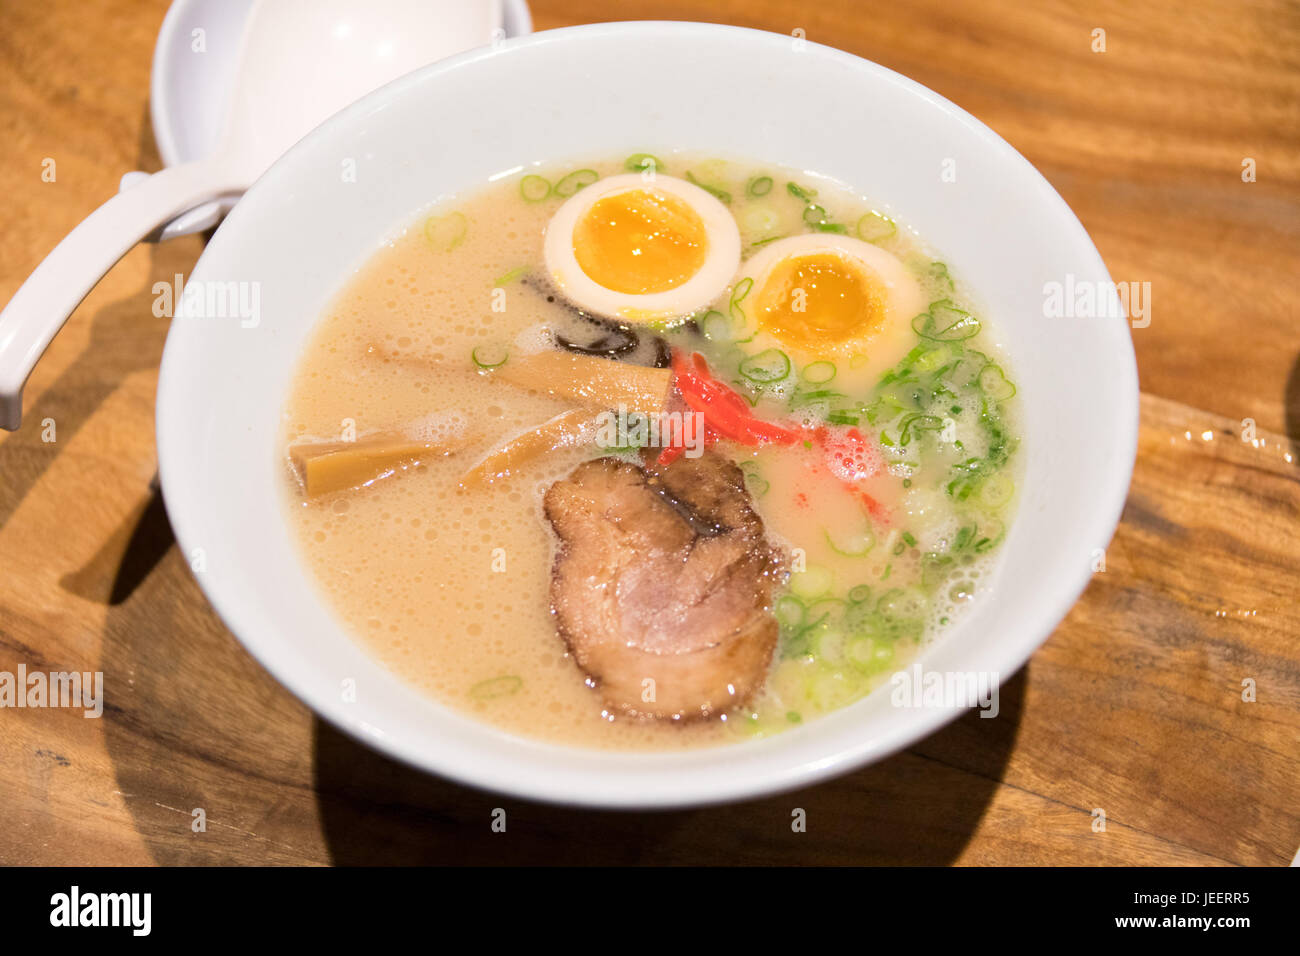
(303, 229)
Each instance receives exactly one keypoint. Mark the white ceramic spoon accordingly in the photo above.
(300, 62)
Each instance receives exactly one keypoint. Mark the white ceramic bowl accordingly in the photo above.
(609, 90)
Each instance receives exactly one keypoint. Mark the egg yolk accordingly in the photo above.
(640, 242)
(819, 301)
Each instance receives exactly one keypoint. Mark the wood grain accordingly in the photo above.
(1133, 707)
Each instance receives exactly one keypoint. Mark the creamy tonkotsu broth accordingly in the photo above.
(841, 367)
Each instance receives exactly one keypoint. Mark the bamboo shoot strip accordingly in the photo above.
(562, 431)
(325, 467)
(597, 382)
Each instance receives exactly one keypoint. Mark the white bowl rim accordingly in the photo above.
(575, 788)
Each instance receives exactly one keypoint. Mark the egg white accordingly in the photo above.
(722, 255)
(861, 357)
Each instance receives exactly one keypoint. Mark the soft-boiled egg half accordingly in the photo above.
(642, 248)
(824, 297)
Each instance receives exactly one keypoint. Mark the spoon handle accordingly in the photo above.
(45, 301)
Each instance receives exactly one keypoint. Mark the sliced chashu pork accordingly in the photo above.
(663, 577)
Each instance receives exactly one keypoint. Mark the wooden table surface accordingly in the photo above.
(1134, 706)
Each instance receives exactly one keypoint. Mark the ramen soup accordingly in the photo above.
(654, 453)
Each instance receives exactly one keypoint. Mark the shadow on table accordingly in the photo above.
(125, 337)
(918, 807)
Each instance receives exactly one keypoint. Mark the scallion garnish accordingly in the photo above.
(939, 273)
(818, 373)
(496, 687)
(814, 397)
(759, 186)
(510, 276)
(639, 162)
(800, 192)
(715, 326)
(489, 356)
(447, 232)
(534, 188)
(993, 383)
(873, 227)
(738, 296)
(771, 365)
(720, 194)
(945, 323)
(574, 181)
(851, 545)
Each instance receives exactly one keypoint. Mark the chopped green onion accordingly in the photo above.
(639, 162)
(993, 383)
(853, 544)
(815, 397)
(577, 179)
(829, 645)
(763, 242)
(715, 326)
(789, 611)
(869, 654)
(496, 687)
(445, 233)
(811, 583)
(945, 323)
(908, 603)
(490, 357)
(860, 593)
(861, 652)
(738, 296)
(756, 483)
(917, 422)
(873, 227)
(909, 539)
(933, 359)
(996, 491)
(510, 276)
(818, 373)
(843, 418)
(822, 610)
(815, 216)
(720, 194)
(759, 186)
(534, 188)
(800, 192)
(939, 272)
(771, 365)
